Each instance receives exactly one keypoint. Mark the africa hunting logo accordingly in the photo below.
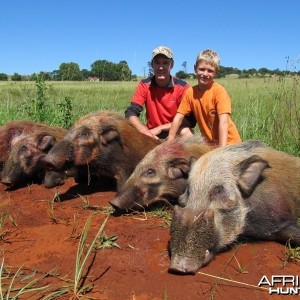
(281, 284)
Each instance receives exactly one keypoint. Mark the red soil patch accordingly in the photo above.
(43, 241)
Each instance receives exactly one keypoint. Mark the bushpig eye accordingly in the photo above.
(49, 167)
(187, 192)
(150, 172)
(85, 134)
(23, 149)
(216, 191)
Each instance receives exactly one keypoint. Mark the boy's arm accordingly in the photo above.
(175, 126)
(223, 129)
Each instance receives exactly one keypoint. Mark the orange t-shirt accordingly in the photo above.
(206, 106)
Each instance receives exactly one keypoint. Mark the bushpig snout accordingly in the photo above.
(126, 201)
(6, 181)
(59, 156)
(56, 178)
(183, 265)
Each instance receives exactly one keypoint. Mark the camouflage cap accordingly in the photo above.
(162, 50)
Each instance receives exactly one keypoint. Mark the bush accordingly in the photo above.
(3, 77)
(182, 75)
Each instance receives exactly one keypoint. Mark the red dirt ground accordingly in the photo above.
(42, 240)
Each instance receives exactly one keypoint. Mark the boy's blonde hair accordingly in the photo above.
(209, 56)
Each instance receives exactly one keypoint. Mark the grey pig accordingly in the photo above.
(241, 190)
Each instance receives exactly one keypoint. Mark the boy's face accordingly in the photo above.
(205, 73)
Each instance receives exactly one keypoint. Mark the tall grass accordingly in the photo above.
(84, 97)
(266, 109)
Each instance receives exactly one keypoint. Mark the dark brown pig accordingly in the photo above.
(24, 163)
(103, 144)
(11, 132)
(161, 175)
(244, 190)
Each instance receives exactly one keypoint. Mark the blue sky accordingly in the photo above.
(40, 35)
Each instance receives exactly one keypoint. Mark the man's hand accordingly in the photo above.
(156, 131)
(150, 133)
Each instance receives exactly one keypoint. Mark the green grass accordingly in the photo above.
(266, 109)
(85, 96)
(14, 284)
(292, 254)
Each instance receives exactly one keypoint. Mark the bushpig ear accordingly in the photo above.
(209, 216)
(45, 143)
(250, 171)
(108, 134)
(192, 161)
(178, 168)
(15, 136)
(179, 214)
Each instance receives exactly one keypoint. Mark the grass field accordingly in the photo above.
(267, 109)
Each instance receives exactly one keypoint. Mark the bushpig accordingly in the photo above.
(11, 132)
(104, 144)
(246, 190)
(161, 175)
(25, 159)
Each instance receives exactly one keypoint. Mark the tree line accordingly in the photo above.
(104, 70)
(101, 70)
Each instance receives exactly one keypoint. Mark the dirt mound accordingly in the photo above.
(42, 236)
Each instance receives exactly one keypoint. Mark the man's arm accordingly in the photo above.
(135, 121)
(132, 113)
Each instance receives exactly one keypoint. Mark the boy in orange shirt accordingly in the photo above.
(210, 104)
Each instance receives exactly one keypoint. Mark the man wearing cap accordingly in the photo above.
(161, 94)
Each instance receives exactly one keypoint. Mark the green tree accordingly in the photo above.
(150, 69)
(55, 75)
(85, 73)
(124, 71)
(101, 69)
(184, 64)
(263, 71)
(182, 75)
(70, 71)
(3, 77)
(16, 77)
(108, 71)
(45, 75)
(252, 72)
